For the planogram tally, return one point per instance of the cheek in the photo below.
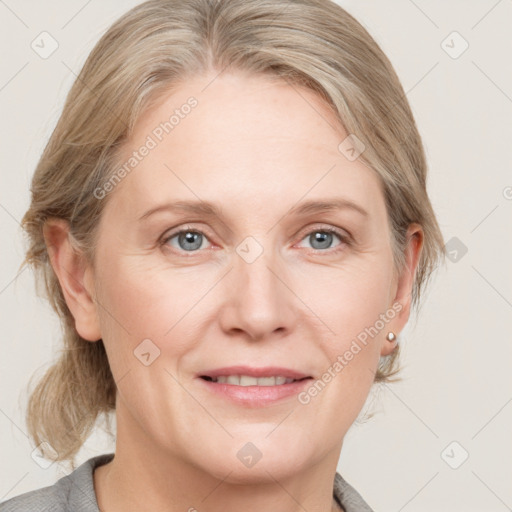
(348, 298)
(137, 293)
(142, 301)
(356, 309)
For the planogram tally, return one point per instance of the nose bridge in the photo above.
(257, 273)
(253, 268)
(260, 301)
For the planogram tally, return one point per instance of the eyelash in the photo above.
(345, 239)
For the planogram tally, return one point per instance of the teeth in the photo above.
(246, 380)
(233, 379)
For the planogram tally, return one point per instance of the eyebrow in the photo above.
(201, 207)
(208, 209)
(314, 206)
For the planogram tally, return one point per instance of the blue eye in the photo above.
(187, 240)
(191, 241)
(321, 239)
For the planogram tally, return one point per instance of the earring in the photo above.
(391, 336)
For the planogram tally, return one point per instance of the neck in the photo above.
(146, 477)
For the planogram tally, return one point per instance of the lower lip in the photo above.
(256, 396)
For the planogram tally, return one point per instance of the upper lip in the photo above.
(268, 371)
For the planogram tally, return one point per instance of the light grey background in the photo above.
(457, 356)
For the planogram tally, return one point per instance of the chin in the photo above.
(264, 471)
(259, 461)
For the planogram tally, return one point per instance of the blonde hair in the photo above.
(146, 53)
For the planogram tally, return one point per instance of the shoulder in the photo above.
(72, 492)
(348, 497)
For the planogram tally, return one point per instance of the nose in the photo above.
(258, 302)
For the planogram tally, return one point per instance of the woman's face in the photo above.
(258, 282)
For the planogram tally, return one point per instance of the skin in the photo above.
(256, 148)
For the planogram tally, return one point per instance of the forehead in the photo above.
(247, 140)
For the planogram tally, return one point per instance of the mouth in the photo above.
(253, 387)
(247, 380)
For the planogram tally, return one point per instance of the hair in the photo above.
(144, 55)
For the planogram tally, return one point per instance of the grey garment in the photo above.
(344, 494)
(75, 493)
(71, 493)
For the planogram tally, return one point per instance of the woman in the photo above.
(231, 219)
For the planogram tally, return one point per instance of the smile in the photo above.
(247, 380)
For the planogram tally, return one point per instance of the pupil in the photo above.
(323, 238)
(191, 238)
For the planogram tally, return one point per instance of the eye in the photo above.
(192, 240)
(188, 240)
(322, 239)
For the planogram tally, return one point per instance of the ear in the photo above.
(75, 277)
(404, 284)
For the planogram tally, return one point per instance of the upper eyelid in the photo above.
(326, 227)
